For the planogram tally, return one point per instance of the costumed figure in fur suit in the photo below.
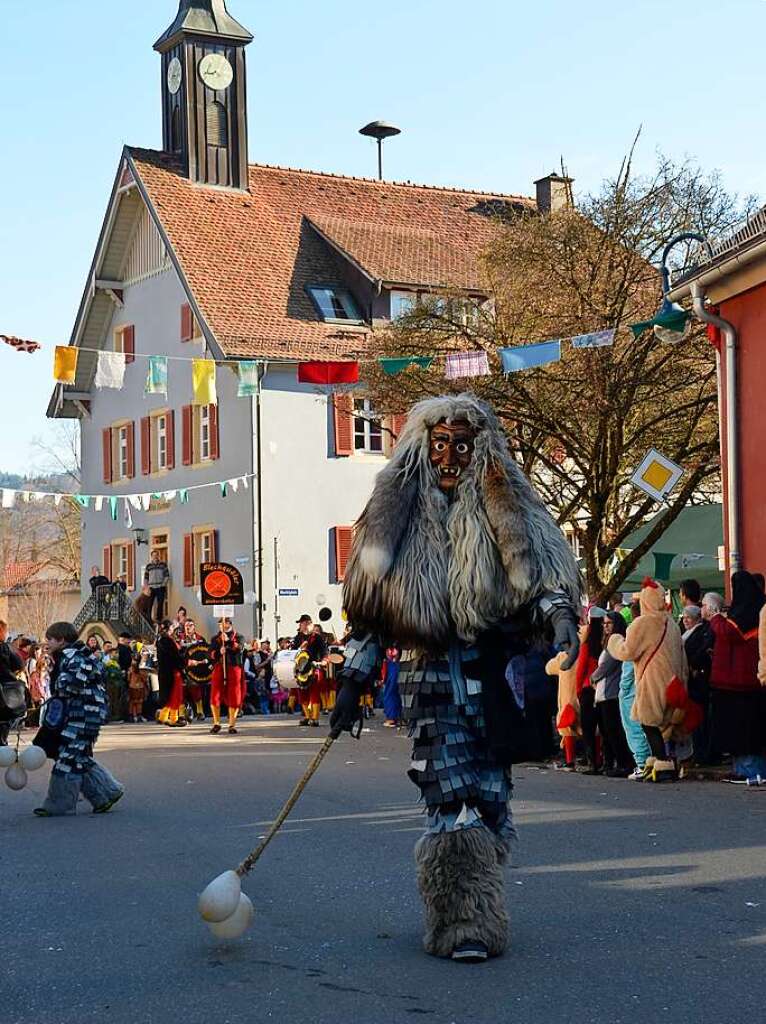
(456, 560)
(662, 705)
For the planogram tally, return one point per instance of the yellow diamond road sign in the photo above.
(657, 475)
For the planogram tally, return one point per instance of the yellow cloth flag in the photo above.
(65, 364)
(203, 382)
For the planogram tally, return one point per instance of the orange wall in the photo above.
(747, 312)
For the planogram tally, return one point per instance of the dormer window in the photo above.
(334, 304)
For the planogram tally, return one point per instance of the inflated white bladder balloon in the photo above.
(7, 756)
(221, 898)
(234, 927)
(32, 758)
(15, 777)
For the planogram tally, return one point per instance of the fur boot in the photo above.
(460, 877)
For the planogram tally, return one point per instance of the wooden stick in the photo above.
(249, 862)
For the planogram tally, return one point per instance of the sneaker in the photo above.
(638, 774)
(108, 806)
(233, 730)
(314, 724)
(304, 721)
(215, 730)
(42, 813)
(470, 952)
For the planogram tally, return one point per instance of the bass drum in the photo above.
(284, 669)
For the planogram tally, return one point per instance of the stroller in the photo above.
(13, 705)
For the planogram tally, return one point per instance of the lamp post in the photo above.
(671, 322)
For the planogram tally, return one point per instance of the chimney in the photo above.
(554, 193)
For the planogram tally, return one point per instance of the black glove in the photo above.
(346, 713)
(559, 614)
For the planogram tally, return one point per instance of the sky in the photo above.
(489, 95)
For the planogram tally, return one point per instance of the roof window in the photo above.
(334, 304)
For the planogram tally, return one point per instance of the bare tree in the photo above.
(580, 427)
(37, 605)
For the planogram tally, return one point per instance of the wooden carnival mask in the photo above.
(451, 451)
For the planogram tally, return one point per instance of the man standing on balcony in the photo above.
(157, 578)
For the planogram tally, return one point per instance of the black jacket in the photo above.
(699, 652)
(169, 661)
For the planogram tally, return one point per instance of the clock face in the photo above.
(215, 71)
(175, 74)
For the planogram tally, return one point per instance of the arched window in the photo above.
(217, 124)
(175, 130)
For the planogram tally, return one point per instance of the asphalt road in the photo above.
(629, 902)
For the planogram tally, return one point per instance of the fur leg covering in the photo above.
(461, 882)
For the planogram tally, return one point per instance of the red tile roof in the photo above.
(17, 574)
(248, 257)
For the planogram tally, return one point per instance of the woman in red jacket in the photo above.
(738, 701)
(591, 644)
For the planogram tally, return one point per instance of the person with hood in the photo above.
(738, 711)
(170, 666)
(662, 705)
(591, 635)
(618, 762)
(77, 680)
(457, 558)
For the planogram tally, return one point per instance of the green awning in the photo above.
(687, 549)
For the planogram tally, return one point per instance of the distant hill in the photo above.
(48, 482)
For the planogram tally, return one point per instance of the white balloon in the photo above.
(32, 758)
(221, 898)
(7, 756)
(234, 927)
(15, 777)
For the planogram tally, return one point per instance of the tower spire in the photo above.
(203, 17)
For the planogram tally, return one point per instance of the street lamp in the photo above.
(380, 130)
(671, 322)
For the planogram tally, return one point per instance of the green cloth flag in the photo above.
(113, 509)
(662, 564)
(157, 376)
(183, 496)
(393, 366)
(224, 488)
(83, 500)
(671, 321)
(248, 378)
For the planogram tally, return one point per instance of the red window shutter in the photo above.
(131, 450)
(146, 445)
(187, 322)
(171, 438)
(131, 580)
(106, 437)
(188, 559)
(187, 456)
(215, 438)
(397, 426)
(344, 536)
(106, 561)
(129, 343)
(344, 424)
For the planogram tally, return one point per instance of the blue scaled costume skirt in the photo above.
(460, 783)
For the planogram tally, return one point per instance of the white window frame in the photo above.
(160, 423)
(123, 462)
(402, 303)
(122, 560)
(119, 338)
(203, 539)
(367, 414)
(203, 434)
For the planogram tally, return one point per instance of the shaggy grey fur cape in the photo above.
(424, 568)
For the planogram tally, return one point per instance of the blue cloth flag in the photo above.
(157, 376)
(599, 339)
(527, 356)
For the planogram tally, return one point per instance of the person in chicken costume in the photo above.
(662, 705)
(456, 560)
(568, 716)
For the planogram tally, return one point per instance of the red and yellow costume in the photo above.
(228, 691)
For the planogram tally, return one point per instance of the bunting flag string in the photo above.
(110, 366)
(140, 502)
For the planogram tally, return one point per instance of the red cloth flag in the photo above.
(19, 343)
(319, 372)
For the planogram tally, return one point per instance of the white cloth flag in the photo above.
(99, 499)
(110, 371)
(146, 500)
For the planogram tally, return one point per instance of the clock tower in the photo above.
(204, 97)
